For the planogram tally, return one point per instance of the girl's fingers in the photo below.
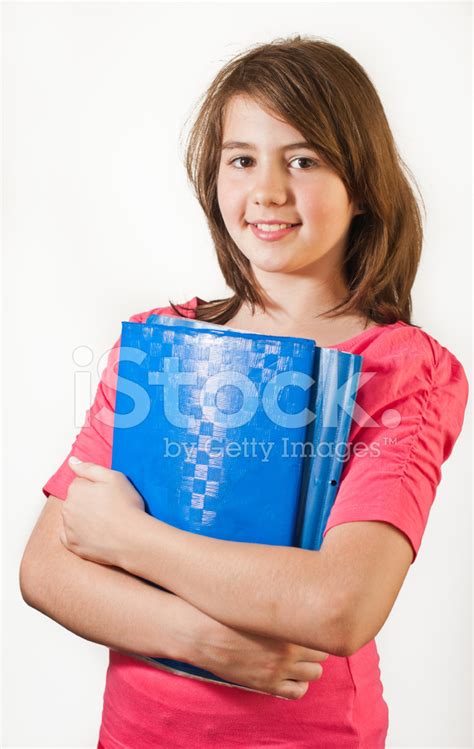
(91, 471)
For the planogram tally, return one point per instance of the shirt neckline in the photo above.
(196, 301)
(364, 333)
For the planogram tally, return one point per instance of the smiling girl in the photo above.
(318, 234)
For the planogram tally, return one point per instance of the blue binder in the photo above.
(230, 434)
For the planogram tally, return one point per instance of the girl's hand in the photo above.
(276, 667)
(100, 506)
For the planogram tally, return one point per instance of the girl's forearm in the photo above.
(108, 606)
(273, 591)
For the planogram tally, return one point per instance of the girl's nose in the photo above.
(269, 187)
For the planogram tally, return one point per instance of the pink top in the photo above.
(415, 394)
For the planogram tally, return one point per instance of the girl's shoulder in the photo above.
(410, 358)
(400, 341)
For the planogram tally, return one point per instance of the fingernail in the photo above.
(74, 460)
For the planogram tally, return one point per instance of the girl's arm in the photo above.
(104, 604)
(340, 595)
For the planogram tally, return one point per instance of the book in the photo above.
(235, 435)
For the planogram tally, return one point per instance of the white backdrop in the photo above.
(100, 223)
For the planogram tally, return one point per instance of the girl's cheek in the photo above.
(316, 204)
(229, 199)
(224, 193)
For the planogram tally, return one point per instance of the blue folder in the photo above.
(235, 435)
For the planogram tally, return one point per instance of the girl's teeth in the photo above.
(273, 227)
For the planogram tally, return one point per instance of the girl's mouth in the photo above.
(271, 235)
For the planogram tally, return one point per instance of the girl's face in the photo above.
(267, 178)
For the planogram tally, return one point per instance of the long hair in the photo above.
(322, 91)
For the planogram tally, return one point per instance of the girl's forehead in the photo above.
(243, 105)
(241, 113)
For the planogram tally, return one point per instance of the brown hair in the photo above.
(322, 91)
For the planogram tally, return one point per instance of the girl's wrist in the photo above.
(129, 543)
(192, 634)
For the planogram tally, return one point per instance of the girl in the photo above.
(318, 234)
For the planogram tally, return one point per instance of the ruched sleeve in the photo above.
(409, 413)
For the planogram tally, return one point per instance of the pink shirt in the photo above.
(391, 476)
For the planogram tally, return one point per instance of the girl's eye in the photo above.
(240, 158)
(313, 162)
(306, 158)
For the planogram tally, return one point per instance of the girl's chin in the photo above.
(272, 265)
(272, 255)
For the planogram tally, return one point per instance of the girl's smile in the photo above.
(278, 231)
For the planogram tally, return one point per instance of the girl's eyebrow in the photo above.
(240, 144)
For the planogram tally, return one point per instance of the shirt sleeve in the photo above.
(409, 416)
(94, 441)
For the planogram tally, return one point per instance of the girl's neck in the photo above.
(296, 299)
(326, 331)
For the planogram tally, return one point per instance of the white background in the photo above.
(100, 223)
